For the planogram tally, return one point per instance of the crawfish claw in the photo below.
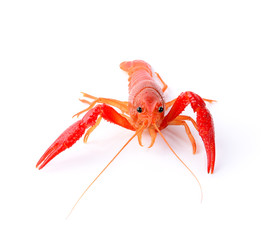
(64, 141)
(207, 133)
(204, 122)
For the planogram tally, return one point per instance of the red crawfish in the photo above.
(145, 109)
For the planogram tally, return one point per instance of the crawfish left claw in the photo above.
(207, 133)
(204, 121)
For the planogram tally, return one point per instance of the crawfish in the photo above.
(145, 109)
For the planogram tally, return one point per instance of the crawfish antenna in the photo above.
(180, 160)
(137, 132)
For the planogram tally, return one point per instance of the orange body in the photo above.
(145, 109)
(144, 93)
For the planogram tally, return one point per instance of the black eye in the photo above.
(160, 109)
(139, 110)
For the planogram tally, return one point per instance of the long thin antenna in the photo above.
(180, 159)
(137, 132)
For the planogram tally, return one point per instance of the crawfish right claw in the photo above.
(51, 152)
(76, 130)
(64, 141)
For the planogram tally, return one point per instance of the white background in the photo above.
(50, 51)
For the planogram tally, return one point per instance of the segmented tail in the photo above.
(132, 66)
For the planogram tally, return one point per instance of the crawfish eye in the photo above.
(139, 110)
(160, 109)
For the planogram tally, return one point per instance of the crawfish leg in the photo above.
(204, 122)
(184, 118)
(123, 106)
(208, 100)
(169, 104)
(165, 86)
(91, 129)
(188, 131)
(69, 137)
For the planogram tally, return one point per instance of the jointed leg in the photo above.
(165, 86)
(123, 106)
(169, 104)
(208, 100)
(139, 136)
(188, 131)
(91, 129)
(153, 135)
(184, 117)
